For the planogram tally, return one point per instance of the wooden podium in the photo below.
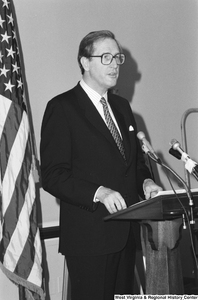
(161, 227)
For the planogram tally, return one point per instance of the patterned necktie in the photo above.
(112, 127)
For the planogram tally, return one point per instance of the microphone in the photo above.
(175, 145)
(175, 153)
(146, 147)
(190, 165)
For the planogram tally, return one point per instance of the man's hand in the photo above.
(112, 200)
(150, 188)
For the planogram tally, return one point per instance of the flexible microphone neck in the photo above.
(141, 136)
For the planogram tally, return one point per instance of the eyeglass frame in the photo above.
(113, 56)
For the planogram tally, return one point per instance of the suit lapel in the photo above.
(91, 113)
(96, 120)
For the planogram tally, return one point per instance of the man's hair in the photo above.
(86, 47)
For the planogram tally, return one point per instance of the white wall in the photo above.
(159, 78)
(8, 290)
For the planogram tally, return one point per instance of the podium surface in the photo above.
(165, 206)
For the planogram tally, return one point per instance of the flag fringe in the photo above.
(30, 287)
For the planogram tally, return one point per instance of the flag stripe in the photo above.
(16, 203)
(9, 133)
(27, 253)
(5, 106)
(16, 157)
(36, 268)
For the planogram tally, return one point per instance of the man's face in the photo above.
(102, 77)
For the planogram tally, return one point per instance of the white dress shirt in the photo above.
(95, 98)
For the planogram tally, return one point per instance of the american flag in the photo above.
(20, 245)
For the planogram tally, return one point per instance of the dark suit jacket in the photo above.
(78, 154)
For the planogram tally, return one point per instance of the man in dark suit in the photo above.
(92, 161)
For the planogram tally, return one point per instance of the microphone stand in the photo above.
(191, 203)
(156, 159)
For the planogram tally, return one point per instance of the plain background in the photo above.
(159, 78)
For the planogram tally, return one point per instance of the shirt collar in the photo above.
(93, 95)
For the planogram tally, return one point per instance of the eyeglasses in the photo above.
(107, 58)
